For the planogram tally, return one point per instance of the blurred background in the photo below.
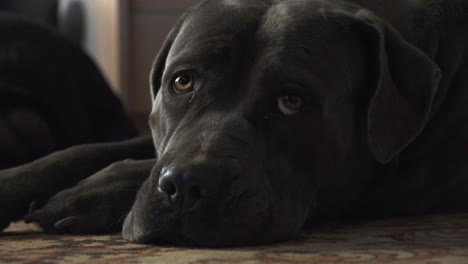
(122, 36)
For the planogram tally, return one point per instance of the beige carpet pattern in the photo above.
(427, 239)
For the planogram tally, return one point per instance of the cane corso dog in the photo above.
(273, 115)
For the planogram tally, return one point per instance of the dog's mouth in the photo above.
(187, 234)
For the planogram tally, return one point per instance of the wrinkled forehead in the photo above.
(310, 28)
(312, 38)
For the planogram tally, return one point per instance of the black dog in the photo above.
(269, 115)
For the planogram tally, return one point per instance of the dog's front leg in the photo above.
(97, 204)
(39, 180)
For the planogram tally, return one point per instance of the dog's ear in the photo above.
(159, 63)
(403, 88)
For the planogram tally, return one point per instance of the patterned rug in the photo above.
(428, 239)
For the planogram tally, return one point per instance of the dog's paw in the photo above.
(74, 211)
(83, 209)
(97, 204)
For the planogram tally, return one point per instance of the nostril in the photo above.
(168, 188)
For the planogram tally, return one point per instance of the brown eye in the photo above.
(290, 104)
(183, 83)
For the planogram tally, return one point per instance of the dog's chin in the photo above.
(195, 239)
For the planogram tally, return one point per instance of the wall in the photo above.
(124, 36)
(103, 25)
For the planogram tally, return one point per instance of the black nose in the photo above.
(190, 184)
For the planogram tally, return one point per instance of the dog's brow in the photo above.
(211, 49)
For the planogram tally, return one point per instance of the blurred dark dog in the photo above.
(52, 96)
(269, 115)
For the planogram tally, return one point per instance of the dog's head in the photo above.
(268, 113)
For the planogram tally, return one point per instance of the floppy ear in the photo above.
(403, 89)
(159, 63)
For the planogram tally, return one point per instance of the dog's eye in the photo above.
(183, 83)
(290, 104)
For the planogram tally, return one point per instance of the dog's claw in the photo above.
(32, 207)
(65, 223)
(31, 218)
(32, 215)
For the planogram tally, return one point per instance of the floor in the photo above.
(427, 239)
